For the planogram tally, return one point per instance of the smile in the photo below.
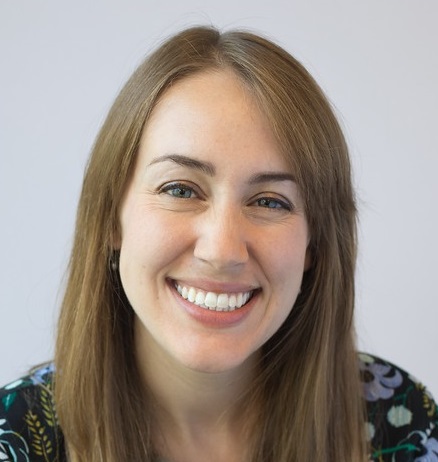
(213, 301)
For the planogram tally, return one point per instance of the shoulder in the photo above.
(402, 415)
(28, 424)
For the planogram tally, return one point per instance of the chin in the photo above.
(218, 364)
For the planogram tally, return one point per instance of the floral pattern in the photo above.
(29, 430)
(379, 380)
(402, 421)
(402, 415)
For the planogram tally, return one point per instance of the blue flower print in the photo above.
(38, 375)
(431, 447)
(418, 446)
(378, 380)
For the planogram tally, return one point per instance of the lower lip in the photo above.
(215, 319)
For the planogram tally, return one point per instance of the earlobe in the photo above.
(114, 260)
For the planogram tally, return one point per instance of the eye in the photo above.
(272, 203)
(178, 190)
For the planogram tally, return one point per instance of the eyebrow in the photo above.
(205, 167)
(271, 176)
(209, 169)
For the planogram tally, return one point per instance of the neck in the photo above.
(193, 406)
(185, 394)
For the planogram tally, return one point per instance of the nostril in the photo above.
(221, 248)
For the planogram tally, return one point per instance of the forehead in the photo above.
(216, 94)
(210, 112)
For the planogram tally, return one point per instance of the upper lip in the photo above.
(216, 286)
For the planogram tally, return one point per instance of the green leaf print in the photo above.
(8, 400)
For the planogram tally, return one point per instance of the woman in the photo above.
(209, 306)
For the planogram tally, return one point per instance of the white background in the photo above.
(61, 65)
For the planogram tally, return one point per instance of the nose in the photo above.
(222, 238)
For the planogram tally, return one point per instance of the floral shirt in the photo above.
(402, 417)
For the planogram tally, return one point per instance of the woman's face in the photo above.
(213, 235)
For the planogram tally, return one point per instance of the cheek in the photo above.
(151, 239)
(288, 264)
(288, 254)
(146, 251)
(285, 268)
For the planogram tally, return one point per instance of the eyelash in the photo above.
(283, 204)
(181, 186)
(280, 204)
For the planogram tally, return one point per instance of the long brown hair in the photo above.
(309, 382)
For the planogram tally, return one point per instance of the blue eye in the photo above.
(271, 203)
(178, 190)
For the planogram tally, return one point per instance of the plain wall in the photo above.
(62, 64)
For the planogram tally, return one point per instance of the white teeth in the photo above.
(222, 301)
(213, 301)
(210, 300)
(200, 298)
(191, 296)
